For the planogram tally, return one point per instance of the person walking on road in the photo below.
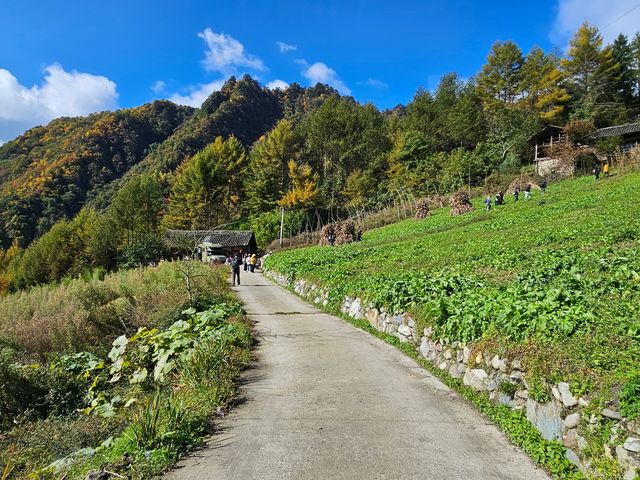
(235, 269)
(252, 262)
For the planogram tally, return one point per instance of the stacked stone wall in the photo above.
(563, 418)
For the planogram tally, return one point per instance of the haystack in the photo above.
(345, 232)
(422, 209)
(460, 203)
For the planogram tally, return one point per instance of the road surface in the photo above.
(325, 400)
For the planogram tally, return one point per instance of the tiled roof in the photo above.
(224, 238)
(618, 130)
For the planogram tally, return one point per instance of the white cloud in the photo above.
(611, 17)
(62, 93)
(286, 47)
(197, 94)
(321, 73)
(224, 53)
(158, 86)
(375, 83)
(277, 83)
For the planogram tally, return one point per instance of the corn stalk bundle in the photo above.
(345, 232)
(422, 209)
(460, 203)
(327, 230)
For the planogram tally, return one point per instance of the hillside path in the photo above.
(325, 400)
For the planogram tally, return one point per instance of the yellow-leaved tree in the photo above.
(303, 190)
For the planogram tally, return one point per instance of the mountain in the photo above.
(51, 172)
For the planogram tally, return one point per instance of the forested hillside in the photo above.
(250, 150)
(50, 172)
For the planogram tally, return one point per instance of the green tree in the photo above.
(623, 55)
(340, 137)
(448, 119)
(541, 85)
(268, 163)
(591, 72)
(137, 207)
(207, 188)
(359, 189)
(500, 78)
(510, 128)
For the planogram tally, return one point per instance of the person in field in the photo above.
(487, 202)
(527, 191)
(516, 193)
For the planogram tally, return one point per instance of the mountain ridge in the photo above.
(50, 172)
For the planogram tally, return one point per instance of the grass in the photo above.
(554, 281)
(130, 399)
(87, 315)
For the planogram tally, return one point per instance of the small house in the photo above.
(547, 164)
(212, 245)
(629, 134)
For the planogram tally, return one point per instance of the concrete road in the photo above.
(325, 400)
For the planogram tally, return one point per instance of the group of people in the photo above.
(248, 261)
(499, 200)
(605, 170)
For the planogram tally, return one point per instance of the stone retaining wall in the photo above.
(563, 418)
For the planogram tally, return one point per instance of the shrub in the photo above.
(630, 398)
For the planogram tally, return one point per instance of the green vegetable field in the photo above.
(554, 280)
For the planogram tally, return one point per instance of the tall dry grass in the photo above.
(88, 315)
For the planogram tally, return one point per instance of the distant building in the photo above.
(547, 165)
(214, 245)
(629, 133)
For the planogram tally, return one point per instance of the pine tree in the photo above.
(268, 163)
(541, 85)
(208, 186)
(500, 77)
(591, 72)
(623, 55)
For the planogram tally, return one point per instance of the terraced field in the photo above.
(554, 280)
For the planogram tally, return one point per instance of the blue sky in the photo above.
(76, 57)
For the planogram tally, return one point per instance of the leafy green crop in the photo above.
(557, 282)
(630, 398)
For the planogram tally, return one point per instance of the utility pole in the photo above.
(281, 224)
